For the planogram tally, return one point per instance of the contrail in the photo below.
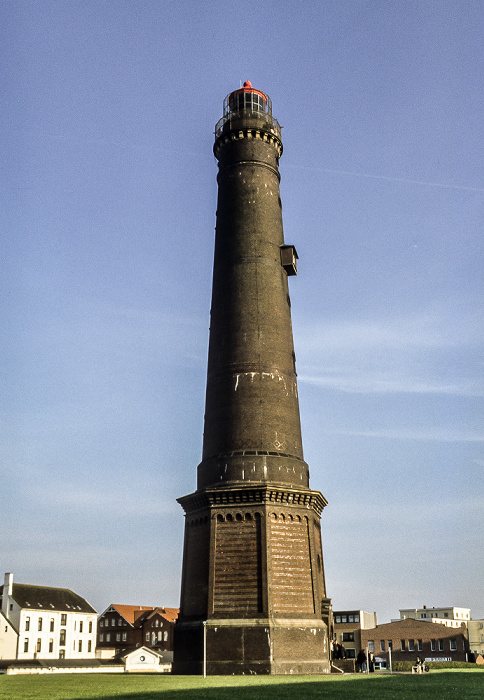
(388, 178)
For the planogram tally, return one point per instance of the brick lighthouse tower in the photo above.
(253, 596)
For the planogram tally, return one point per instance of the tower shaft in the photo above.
(253, 594)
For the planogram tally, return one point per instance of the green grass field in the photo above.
(438, 685)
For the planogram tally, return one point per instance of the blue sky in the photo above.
(108, 213)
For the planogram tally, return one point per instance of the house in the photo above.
(49, 623)
(8, 638)
(406, 639)
(451, 617)
(145, 660)
(347, 626)
(122, 627)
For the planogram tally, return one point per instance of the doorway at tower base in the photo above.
(252, 647)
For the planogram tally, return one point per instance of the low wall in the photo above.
(24, 670)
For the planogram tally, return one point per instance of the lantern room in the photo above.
(247, 99)
(244, 104)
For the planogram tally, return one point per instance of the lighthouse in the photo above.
(253, 594)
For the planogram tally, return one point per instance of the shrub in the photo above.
(435, 665)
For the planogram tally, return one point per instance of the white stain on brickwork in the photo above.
(270, 375)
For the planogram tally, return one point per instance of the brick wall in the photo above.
(411, 638)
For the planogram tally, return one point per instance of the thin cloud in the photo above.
(432, 328)
(120, 501)
(402, 511)
(364, 382)
(430, 434)
(388, 178)
(423, 353)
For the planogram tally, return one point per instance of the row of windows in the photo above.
(114, 622)
(411, 646)
(38, 645)
(152, 636)
(119, 637)
(340, 619)
(40, 623)
(463, 616)
(122, 637)
(247, 101)
(118, 623)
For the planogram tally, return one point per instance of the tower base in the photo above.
(252, 647)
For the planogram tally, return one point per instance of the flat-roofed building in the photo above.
(347, 626)
(449, 616)
(406, 639)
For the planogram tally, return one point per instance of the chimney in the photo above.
(7, 592)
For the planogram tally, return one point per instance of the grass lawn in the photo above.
(437, 685)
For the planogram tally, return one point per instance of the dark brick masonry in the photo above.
(253, 596)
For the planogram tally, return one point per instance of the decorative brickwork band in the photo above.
(253, 594)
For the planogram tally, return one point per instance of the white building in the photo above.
(50, 623)
(451, 617)
(8, 638)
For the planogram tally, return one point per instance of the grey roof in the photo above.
(47, 598)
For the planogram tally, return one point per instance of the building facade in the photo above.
(406, 639)
(475, 630)
(123, 627)
(347, 626)
(8, 638)
(253, 595)
(51, 623)
(451, 617)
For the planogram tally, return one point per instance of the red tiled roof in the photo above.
(171, 613)
(132, 613)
